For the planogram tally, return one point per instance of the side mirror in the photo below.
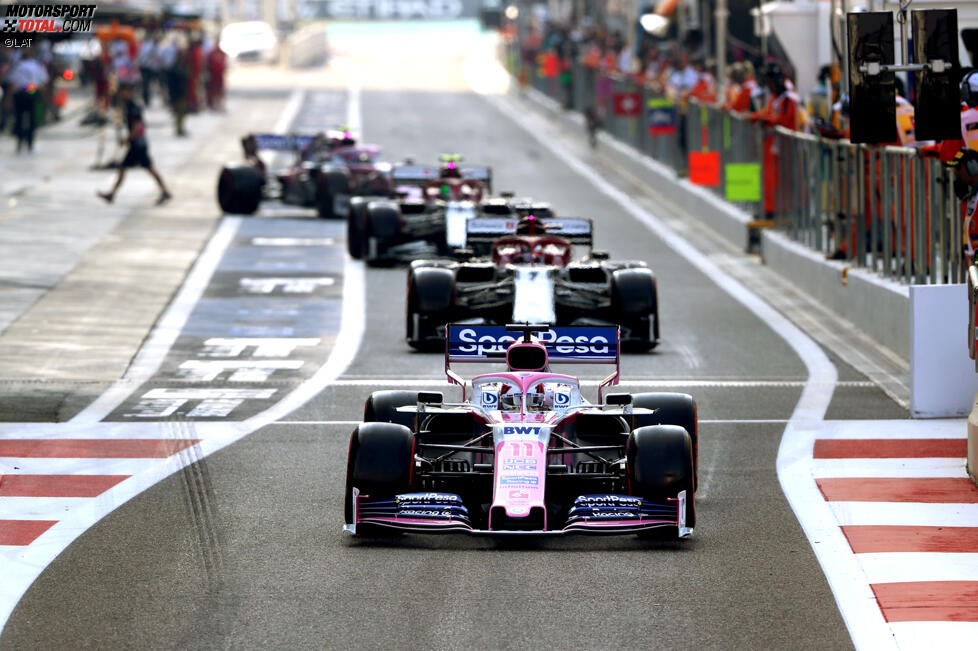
(600, 255)
(430, 398)
(619, 399)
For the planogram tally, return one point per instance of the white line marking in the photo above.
(732, 384)
(73, 466)
(926, 636)
(755, 421)
(151, 355)
(76, 515)
(353, 114)
(903, 468)
(857, 603)
(292, 241)
(287, 116)
(900, 567)
(908, 514)
(316, 422)
(893, 429)
(35, 508)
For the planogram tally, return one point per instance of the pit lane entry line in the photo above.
(23, 564)
(856, 600)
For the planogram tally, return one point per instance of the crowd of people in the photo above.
(755, 89)
(184, 69)
(27, 91)
(129, 71)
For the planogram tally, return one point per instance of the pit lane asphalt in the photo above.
(266, 565)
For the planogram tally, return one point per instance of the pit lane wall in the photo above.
(873, 290)
(879, 307)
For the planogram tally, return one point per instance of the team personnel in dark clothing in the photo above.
(138, 153)
(26, 79)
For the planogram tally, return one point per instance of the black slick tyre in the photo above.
(659, 466)
(634, 304)
(355, 227)
(331, 185)
(671, 409)
(431, 294)
(380, 462)
(381, 407)
(239, 189)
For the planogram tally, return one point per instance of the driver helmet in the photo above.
(510, 399)
(540, 398)
(450, 168)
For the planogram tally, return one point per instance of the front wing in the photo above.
(590, 514)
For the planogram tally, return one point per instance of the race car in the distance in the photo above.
(326, 170)
(526, 454)
(530, 275)
(425, 216)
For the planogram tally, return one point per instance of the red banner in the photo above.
(628, 104)
(704, 168)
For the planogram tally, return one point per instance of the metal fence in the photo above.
(883, 208)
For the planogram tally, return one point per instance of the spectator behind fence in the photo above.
(947, 149)
(781, 110)
(965, 166)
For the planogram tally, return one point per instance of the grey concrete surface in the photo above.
(876, 306)
(263, 563)
(82, 281)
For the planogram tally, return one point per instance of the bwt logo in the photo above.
(472, 342)
(521, 429)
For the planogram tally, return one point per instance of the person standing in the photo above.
(138, 153)
(216, 67)
(26, 79)
(176, 83)
(148, 67)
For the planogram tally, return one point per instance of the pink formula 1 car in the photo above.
(524, 453)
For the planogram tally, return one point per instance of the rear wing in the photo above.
(564, 344)
(413, 174)
(576, 230)
(278, 141)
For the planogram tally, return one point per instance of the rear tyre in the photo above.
(431, 294)
(332, 189)
(635, 305)
(381, 407)
(659, 465)
(354, 227)
(671, 409)
(379, 464)
(382, 225)
(239, 189)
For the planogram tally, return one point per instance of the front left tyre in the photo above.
(380, 463)
(659, 466)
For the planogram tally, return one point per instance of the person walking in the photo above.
(26, 79)
(138, 153)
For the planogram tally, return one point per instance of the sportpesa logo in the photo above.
(70, 18)
(473, 342)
